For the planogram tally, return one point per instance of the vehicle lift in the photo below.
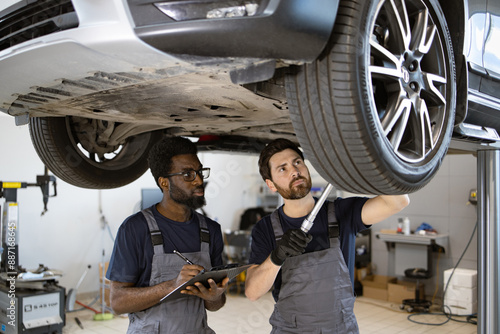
(488, 232)
(34, 306)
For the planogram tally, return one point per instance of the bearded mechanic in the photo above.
(312, 273)
(144, 268)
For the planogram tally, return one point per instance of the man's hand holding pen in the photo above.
(212, 293)
(190, 270)
(187, 272)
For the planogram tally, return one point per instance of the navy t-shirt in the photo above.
(132, 256)
(348, 213)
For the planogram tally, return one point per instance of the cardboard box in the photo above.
(400, 290)
(375, 286)
(461, 277)
(361, 273)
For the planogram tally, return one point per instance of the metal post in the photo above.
(488, 251)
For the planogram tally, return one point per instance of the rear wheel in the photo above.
(375, 115)
(80, 151)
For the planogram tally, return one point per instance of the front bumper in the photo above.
(294, 30)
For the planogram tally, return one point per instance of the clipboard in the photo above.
(216, 273)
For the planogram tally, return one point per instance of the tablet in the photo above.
(216, 273)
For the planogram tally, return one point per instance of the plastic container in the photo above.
(406, 226)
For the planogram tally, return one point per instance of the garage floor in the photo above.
(240, 316)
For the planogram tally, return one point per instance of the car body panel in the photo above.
(481, 119)
(474, 43)
(491, 48)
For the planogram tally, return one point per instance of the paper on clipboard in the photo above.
(216, 274)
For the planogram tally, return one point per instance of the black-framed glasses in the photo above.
(190, 175)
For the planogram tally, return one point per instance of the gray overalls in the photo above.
(316, 294)
(185, 315)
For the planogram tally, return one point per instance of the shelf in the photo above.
(416, 239)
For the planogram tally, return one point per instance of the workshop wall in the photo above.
(443, 204)
(71, 235)
(232, 186)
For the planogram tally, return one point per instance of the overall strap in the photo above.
(277, 228)
(333, 225)
(204, 232)
(154, 230)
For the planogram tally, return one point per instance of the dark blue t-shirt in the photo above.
(132, 256)
(348, 213)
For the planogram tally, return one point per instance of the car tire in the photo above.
(375, 114)
(60, 147)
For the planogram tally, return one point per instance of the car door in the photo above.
(475, 36)
(491, 57)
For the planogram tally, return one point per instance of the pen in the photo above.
(183, 257)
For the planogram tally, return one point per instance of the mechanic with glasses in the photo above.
(144, 267)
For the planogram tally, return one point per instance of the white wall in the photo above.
(232, 186)
(70, 235)
(443, 204)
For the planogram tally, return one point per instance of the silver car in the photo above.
(372, 90)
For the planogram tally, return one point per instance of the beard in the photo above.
(181, 197)
(295, 192)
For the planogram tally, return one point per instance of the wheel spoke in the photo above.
(403, 21)
(432, 91)
(423, 34)
(396, 121)
(424, 127)
(92, 156)
(392, 65)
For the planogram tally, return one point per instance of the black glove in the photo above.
(292, 243)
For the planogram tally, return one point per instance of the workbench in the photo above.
(413, 250)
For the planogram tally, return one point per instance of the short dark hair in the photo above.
(161, 154)
(271, 149)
